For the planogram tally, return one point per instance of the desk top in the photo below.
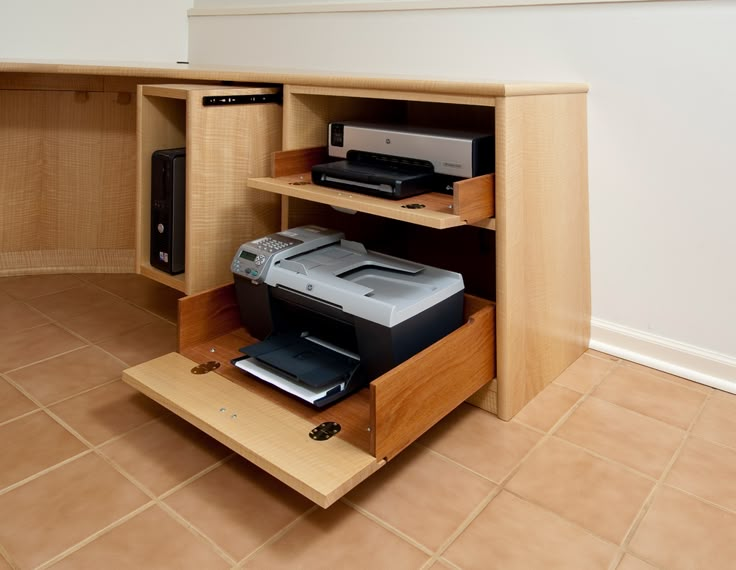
(294, 77)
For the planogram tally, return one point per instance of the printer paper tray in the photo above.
(271, 429)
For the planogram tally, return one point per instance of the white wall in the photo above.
(662, 132)
(129, 30)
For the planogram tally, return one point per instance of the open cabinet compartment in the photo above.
(271, 429)
(225, 144)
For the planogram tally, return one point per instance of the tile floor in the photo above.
(612, 466)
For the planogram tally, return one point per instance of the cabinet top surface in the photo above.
(294, 77)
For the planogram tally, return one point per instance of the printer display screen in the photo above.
(247, 255)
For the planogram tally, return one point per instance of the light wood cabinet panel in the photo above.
(66, 187)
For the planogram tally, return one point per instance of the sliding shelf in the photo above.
(272, 429)
(471, 202)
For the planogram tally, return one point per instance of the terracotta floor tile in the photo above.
(594, 493)
(150, 540)
(142, 344)
(480, 441)
(513, 534)
(142, 291)
(107, 411)
(603, 355)
(109, 320)
(684, 382)
(423, 495)
(585, 373)
(548, 407)
(33, 443)
(642, 443)
(17, 316)
(716, 482)
(32, 286)
(71, 302)
(23, 347)
(238, 506)
(724, 395)
(12, 402)
(681, 532)
(717, 422)
(68, 374)
(165, 453)
(651, 396)
(46, 516)
(338, 537)
(629, 562)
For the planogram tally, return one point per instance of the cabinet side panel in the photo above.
(543, 259)
(225, 146)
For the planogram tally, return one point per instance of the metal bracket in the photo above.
(324, 431)
(206, 367)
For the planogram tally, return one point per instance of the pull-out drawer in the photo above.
(277, 432)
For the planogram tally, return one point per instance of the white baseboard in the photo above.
(696, 364)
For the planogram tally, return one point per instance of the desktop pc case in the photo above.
(168, 191)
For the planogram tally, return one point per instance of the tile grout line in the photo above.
(114, 294)
(5, 555)
(197, 532)
(660, 482)
(42, 472)
(92, 448)
(94, 536)
(276, 537)
(502, 484)
(42, 360)
(387, 526)
(463, 526)
(90, 342)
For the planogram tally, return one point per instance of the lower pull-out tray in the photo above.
(277, 432)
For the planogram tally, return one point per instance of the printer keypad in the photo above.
(271, 245)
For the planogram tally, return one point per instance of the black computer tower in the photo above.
(168, 191)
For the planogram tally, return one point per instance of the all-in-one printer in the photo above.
(400, 161)
(332, 315)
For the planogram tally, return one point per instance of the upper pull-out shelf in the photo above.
(471, 202)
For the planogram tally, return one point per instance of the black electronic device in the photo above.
(398, 161)
(168, 191)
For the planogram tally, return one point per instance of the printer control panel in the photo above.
(254, 258)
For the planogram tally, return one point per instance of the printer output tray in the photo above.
(365, 178)
(301, 366)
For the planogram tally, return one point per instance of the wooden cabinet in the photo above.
(224, 146)
(519, 237)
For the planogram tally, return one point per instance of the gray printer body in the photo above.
(397, 161)
(331, 315)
